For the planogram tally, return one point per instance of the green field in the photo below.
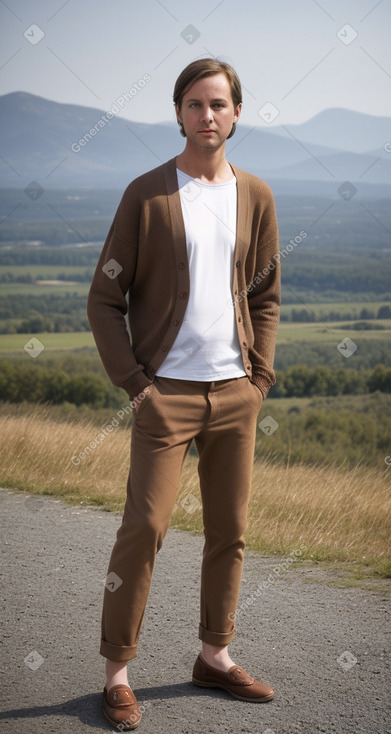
(330, 332)
(31, 289)
(45, 271)
(52, 342)
(288, 333)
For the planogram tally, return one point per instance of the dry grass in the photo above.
(336, 515)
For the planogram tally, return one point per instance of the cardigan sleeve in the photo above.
(107, 305)
(264, 298)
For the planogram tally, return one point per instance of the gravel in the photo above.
(324, 649)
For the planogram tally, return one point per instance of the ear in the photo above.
(237, 112)
(178, 114)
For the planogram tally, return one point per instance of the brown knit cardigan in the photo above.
(145, 258)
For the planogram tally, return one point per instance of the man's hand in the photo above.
(139, 399)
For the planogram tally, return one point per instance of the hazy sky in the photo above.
(287, 52)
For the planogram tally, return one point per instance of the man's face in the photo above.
(207, 112)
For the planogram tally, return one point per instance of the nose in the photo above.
(207, 114)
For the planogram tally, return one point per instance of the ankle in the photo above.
(116, 674)
(217, 657)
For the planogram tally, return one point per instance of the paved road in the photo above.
(323, 649)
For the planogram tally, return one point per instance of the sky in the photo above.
(295, 58)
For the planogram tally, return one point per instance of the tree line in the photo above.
(36, 383)
(21, 381)
(28, 314)
(301, 381)
(307, 315)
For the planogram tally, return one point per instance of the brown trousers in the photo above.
(221, 417)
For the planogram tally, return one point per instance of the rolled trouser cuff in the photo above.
(220, 639)
(117, 653)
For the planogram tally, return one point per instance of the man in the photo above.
(194, 245)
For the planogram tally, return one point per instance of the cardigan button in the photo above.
(175, 322)
(164, 348)
(181, 266)
(238, 263)
(244, 344)
(183, 295)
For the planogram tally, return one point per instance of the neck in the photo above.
(206, 165)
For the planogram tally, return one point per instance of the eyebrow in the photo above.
(218, 99)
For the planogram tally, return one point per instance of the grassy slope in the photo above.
(336, 515)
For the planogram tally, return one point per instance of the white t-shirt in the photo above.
(207, 344)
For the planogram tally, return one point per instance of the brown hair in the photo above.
(198, 70)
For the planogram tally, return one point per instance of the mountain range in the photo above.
(50, 143)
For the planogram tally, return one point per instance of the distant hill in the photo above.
(343, 129)
(37, 136)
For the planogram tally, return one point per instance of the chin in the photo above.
(208, 143)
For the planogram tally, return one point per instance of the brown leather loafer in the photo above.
(236, 681)
(120, 707)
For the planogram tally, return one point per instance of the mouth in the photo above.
(207, 132)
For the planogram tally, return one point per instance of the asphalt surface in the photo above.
(323, 649)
